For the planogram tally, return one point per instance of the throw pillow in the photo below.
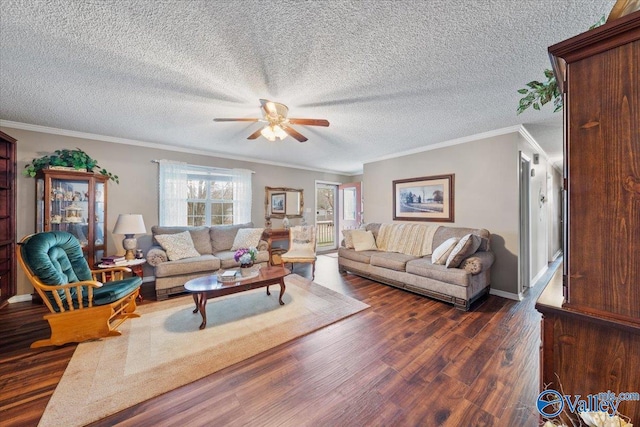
(348, 240)
(247, 238)
(363, 240)
(177, 246)
(441, 253)
(468, 245)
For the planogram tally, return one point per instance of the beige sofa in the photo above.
(213, 244)
(460, 286)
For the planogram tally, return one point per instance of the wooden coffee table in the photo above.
(209, 287)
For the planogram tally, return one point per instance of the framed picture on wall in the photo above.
(278, 203)
(428, 198)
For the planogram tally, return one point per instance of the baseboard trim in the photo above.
(504, 294)
(556, 255)
(20, 298)
(538, 276)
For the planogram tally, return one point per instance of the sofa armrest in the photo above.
(263, 245)
(156, 255)
(478, 262)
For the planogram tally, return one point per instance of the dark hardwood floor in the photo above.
(407, 360)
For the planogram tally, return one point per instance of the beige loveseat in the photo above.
(459, 285)
(213, 246)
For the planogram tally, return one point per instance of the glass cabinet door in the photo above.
(69, 208)
(74, 202)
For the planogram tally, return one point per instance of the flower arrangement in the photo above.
(246, 256)
(596, 419)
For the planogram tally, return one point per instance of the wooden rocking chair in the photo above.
(82, 305)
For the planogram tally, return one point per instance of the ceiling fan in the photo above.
(278, 126)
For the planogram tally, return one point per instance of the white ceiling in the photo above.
(390, 76)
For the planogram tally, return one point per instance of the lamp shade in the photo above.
(129, 224)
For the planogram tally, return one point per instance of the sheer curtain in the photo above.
(172, 199)
(241, 195)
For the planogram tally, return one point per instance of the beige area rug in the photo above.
(164, 349)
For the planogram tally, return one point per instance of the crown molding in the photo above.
(155, 145)
(520, 129)
(449, 143)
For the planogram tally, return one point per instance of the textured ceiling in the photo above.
(390, 76)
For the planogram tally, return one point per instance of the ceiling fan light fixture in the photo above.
(279, 132)
(268, 133)
(278, 125)
(273, 132)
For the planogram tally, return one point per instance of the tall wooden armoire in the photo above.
(7, 218)
(591, 327)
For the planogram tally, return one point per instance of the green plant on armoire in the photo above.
(76, 159)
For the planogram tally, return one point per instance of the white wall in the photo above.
(138, 188)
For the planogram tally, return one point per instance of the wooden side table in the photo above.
(275, 235)
(136, 268)
(135, 265)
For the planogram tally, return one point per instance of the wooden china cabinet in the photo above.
(591, 326)
(75, 202)
(7, 218)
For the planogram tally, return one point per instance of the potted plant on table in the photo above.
(246, 257)
(76, 159)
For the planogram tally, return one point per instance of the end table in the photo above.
(135, 265)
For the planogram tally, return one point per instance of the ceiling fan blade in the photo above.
(310, 122)
(236, 120)
(255, 135)
(295, 134)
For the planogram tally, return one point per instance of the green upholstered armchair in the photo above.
(82, 304)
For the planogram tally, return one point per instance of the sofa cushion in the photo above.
(348, 240)
(247, 238)
(391, 260)
(364, 256)
(441, 253)
(443, 233)
(201, 240)
(467, 246)
(425, 268)
(222, 236)
(373, 227)
(178, 246)
(363, 240)
(200, 264)
(199, 235)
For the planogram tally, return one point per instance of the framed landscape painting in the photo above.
(429, 198)
(278, 203)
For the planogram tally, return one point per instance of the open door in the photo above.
(350, 206)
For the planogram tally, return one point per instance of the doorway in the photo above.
(326, 210)
(350, 202)
(524, 260)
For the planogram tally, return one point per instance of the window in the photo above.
(209, 200)
(198, 195)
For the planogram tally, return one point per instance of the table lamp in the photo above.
(129, 225)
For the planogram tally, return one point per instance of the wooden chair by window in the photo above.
(302, 247)
(82, 306)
